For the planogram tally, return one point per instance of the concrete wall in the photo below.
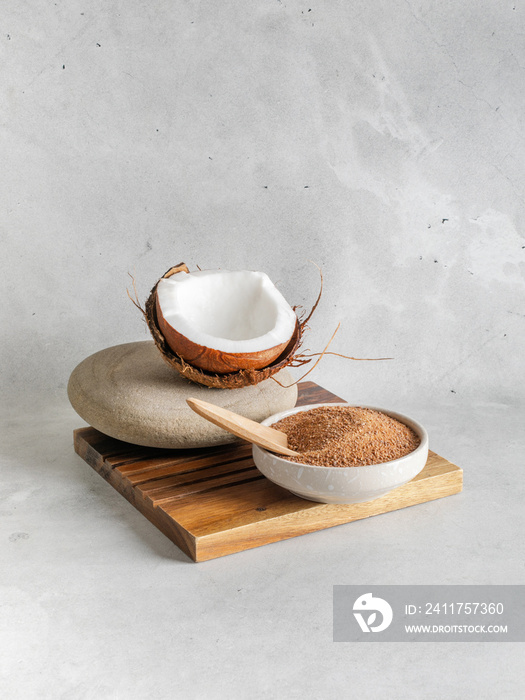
(383, 141)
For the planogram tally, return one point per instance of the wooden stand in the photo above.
(214, 501)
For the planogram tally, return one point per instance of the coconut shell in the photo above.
(211, 360)
(232, 380)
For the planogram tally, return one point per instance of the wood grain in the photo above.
(214, 501)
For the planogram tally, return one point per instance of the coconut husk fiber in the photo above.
(232, 380)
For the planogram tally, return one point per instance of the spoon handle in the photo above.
(261, 435)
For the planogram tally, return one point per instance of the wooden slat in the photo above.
(214, 501)
(183, 467)
(195, 458)
(215, 507)
(173, 495)
(310, 392)
(435, 466)
(201, 480)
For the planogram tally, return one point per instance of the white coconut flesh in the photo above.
(231, 312)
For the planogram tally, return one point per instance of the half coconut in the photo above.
(220, 328)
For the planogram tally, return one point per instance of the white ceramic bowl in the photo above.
(342, 484)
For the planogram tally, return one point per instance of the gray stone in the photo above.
(130, 393)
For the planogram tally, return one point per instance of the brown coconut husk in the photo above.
(290, 357)
(234, 380)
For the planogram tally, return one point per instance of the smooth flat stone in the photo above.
(128, 392)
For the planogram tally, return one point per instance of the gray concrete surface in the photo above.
(384, 142)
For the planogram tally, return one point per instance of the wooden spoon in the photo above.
(250, 430)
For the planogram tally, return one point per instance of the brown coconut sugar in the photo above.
(346, 436)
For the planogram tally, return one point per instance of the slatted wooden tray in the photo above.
(214, 501)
